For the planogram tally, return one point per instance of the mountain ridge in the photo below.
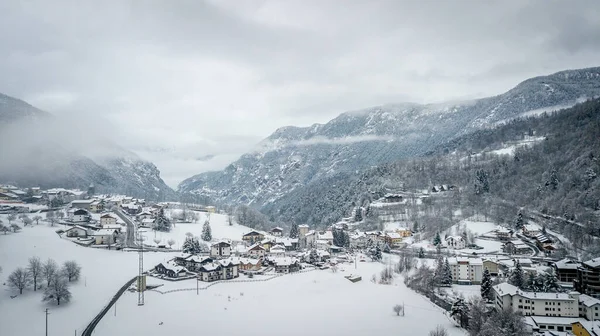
(294, 157)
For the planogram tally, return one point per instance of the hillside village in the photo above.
(477, 253)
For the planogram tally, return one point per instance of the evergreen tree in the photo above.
(416, 227)
(553, 183)
(544, 230)
(550, 283)
(519, 221)
(376, 253)
(531, 284)
(386, 248)
(437, 240)
(206, 231)
(517, 277)
(313, 257)
(162, 223)
(447, 278)
(421, 254)
(338, 237)
(191, 245)
(486, 285)
(294, 231)
(346, 239)
(358, 217)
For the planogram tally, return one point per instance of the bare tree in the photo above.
(15, 227)
(156, 241)
(189, 235)
(439, 331)
(398, 309)
(37, 219)
(51, 217)
(11, 218)
(4, 228)
(35, 270)
(49, 270)
(57, 291)
(171, 242)
(230, 220)
(19, 279)
(71, 270)
(60, 214)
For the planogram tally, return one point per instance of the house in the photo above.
(456, 242)
(257, 251)
(253, 237)
(327, 235)
(516, 246)
(492, 266)
(503, 233)
(531, 230)
(589, 307)
(374, 237)
(566, 270)
(322, 244)
(171, 269)
(267, 243)
(543, 242)
(108, 219)
(144, 215)
(290, 244)
(77, 231)
(104, 236)
(96, 206)
(211, 209)
(286, 265)
(358, 240)
(80, 215)
(82, 204)
(8, 196)
(551, 325)
(310, 238)
(131, 208)
(466, 271)
(509, 297)
(586, 328)
(404, 232)
(277, 231)
(278, 251)
(221, 270)
(588, 278)
(249, 264)
(147, 222)
(393, 239)
(220, 250)
(392, 198)
(193, 262)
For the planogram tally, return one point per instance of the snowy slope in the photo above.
(312, 303)
(103, 273)
(295, 158)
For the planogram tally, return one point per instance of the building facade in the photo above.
(466, 271)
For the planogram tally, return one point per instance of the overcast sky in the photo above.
(175, 81)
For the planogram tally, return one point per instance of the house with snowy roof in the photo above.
(104, 236)
(589, 307)
(108, 219)
(503, 233)
(253, 237)
(456, 242)
(249, 264)
(278, 251)
(290, 244)
(276, 231)
(256, 250)
(531, 230)
(77, 231)
(392, 238)
(588, 278)
(586, 328)
(516, 246)
(566, 270)
(171, 269)
(225, 269)
(80, 216)
(221, 249)
(192, 262)
(286, 265)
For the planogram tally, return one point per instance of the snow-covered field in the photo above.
(103, 273)
(317, 303)
(218, 224)
(475, 226)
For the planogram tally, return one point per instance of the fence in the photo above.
(215, 283)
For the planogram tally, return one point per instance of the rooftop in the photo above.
(588, 301)
(507, 289)
(593, 263)
(566, 264)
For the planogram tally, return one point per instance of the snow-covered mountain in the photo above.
(298, 157)
(39, 149)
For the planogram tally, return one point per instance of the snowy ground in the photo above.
(103, 273)
(317, 302)
(466, 291)
(476, 226)
(218, 224)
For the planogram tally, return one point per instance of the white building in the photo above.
(509, 297)
(589, 307)
(80, 215)
(108, 219)
(105, 236)
(303, 230)
(220, 250)
(456, 242)
(310, 238)
(277, 251)
(466, 271)
(77, 231)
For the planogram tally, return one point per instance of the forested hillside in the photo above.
(557, 175)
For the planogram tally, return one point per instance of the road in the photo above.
(131, 229)
(536, 250)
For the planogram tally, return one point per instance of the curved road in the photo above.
(131, 229)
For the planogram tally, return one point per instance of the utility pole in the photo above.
(197, 286)
(141, 272)
(47, 313)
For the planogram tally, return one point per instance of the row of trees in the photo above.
(544, 282)
(55, 278)
(479, 320)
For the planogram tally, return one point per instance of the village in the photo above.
(477, 253)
